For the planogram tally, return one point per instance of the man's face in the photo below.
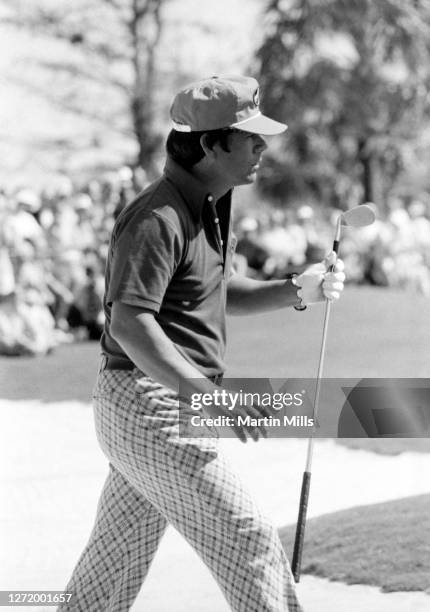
(239, 166)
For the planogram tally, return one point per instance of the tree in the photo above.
(106, 62)
(351, 78)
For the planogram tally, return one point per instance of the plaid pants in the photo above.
(157, 477)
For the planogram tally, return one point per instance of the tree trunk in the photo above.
(145, 28)
(365, 157)
(372, 178)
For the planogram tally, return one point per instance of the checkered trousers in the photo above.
(157, 477)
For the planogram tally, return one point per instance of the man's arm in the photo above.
(151, 350)
(315, 284)
(146, 344)
(250, 296)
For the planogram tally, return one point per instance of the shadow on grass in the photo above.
(385, 545)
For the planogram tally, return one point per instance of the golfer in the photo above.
(169, 283)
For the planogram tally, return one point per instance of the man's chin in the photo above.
(252, 176)
(246, 180)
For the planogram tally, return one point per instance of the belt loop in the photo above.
(103, 362)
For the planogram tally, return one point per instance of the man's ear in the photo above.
(210, 153)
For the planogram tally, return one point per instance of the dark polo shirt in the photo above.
(170, 253)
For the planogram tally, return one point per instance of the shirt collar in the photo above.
(193, 191)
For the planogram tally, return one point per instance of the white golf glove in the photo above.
(317, 283)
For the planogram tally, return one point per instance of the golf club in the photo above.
(359, 216)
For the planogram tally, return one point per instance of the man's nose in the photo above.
(261, 144)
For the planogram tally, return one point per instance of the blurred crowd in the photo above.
(53, 248)
(394, 251)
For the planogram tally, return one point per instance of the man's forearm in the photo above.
(249, 296)
(146, 344)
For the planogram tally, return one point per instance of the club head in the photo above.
(359, 216)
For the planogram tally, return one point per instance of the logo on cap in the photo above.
(256, 97)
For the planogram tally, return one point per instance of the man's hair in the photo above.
(185, 148)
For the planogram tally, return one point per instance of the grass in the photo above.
(371, 545)
(388, 446)
(373, 333)
(67, 373)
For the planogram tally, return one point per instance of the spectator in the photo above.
(53, 248)
(87, 310)
(249, 246)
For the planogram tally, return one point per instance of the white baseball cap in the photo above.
(222, 102)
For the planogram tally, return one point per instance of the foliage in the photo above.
(104, 62)
(351, 78)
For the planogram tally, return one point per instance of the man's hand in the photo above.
(317, 283)
(241, 430)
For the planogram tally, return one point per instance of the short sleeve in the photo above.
(144, 258)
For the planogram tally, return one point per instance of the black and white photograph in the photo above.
(215, 305)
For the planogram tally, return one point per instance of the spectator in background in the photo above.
(26, 324)
(295, 236)
(23, 222)
(420, 225)
(83, 227)
(313, 233)
(86, 312)
(53, 248)
(249, 247)
(10, 331)
(275, 240)
(126, 192)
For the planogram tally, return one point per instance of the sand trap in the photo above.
(52, 471)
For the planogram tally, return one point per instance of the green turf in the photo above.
(387, 446)
(67, 373)
(372, 333)
(386, 545)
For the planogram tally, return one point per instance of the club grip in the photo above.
(301, 525)
(336, 250)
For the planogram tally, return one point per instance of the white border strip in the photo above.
(180, 127)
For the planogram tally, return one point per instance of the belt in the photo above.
(116, 363)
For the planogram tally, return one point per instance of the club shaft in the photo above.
(306, 480)
(318, 385)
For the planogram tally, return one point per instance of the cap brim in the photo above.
(260, 124)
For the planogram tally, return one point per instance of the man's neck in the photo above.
(216, 186)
